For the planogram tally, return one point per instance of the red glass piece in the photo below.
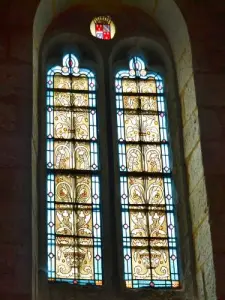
(98, 27)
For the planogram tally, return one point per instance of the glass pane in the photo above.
(146, 158)
(73, 187)
(141, 127)
(62, 82)
(148, 222)
(70, 99)
(80, 83)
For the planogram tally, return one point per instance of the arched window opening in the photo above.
(73, 186)
(147, 205)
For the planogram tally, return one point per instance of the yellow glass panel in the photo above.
(83, 189)
(143, 102)
(82, 156)
(149, 128)
(160, 264)
(140, 259)
(62, 82)
(146, 158)
(147, 86)
(63, 188)
(70, 99)
(136, 190)
(132, 126)
(157, 224)
(62, 99)
(152, 158)
(154, 243)
(146, 191)
(129, 86)
(65, 127)
(72, 156)
(70, 220)
(79, 99)
(63, 153)
(62, 124)
(153, 265)
(74, 258)
(138, 222)
(73, 189)
(138, 86)
(80, 83)
(134, 158)
(131, 102)
(155, 191)
(149, 103)
(64, 219)
(83, 221)
(81, 125)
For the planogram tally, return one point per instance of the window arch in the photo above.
(104, 59)
(147, 208)
(73, 185)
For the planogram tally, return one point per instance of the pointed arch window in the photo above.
(149, 229)
(147, 207)
(73, 186)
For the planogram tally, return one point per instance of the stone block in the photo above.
(15, 187)
(12, 296)
(191, 133)
(216, 192)
(15, 79)
(175, 29)
(218, 232)
(211, 127)
(213, 157)
(209, 279)
(15, 115)
(43, 18)
(185, 71)
(22, 13)
(21, 46)
(194, 167)
(15, 152)
(8, 117)
(3, 45)
(210, 89)
(200, 286)
(203, 244)
(188, 100)
(198, 203)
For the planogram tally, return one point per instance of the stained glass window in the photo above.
(73, 187)
(103, 28)
(148, 220)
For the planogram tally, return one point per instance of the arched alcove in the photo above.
(169, 18)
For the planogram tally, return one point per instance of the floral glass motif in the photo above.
(148, 218)
(73, 188)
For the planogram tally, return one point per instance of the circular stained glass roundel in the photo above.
(103, 28)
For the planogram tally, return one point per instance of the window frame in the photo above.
(179, 180)
(107, 80)
(154, 70)
(97, 68)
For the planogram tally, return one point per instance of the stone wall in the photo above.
(203, 130)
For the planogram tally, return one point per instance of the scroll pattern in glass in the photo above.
(73, 188)
(148, 222)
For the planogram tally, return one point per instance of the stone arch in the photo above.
(176, 31)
